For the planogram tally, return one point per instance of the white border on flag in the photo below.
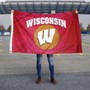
(11, 38)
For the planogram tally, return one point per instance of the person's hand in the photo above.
(76, 11)
(11, 11)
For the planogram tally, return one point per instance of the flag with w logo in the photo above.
(45, 33)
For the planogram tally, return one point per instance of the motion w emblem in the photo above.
(45, 36)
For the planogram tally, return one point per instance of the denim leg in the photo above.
(38, 65)
(51, 64)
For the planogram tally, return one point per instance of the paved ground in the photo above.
(65, 81)
(18, 71)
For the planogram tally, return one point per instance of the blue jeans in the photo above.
(51, 64)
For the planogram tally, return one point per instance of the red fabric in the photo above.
(23, 37)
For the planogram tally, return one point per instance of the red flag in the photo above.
(45, 33)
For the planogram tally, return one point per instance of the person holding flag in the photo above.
(51, 67)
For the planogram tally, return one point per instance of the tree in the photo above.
(81, 27)
(88, 28)
(9, 28)
(2, 28)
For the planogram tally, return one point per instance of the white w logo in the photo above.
(45, 36)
